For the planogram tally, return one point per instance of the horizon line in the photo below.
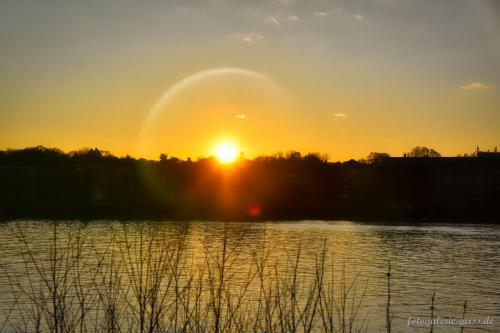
(283, 153)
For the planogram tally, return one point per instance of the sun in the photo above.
(226, 152)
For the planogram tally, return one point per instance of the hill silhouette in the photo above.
(42, 182)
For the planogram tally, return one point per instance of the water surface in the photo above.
(457, 262)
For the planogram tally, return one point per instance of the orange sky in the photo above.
(334, 77)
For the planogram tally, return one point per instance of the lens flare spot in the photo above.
(254, 210)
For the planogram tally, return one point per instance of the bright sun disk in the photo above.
(226, 152)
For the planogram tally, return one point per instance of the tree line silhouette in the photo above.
(91, 183)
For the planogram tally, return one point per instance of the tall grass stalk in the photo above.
(149, 279)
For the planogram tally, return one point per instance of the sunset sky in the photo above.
(338, 77)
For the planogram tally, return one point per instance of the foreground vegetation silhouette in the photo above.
(147, 279)
(90, 183)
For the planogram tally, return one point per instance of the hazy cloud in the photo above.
(322, 14)
(272, 19)
(241, 116)
(396, 2)
(249, 38)
(340, 115)
(477, 85)
(358, 17)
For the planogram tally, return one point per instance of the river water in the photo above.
(457, 262)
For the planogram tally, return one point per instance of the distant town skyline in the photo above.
(189, 77)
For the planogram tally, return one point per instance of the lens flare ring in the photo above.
(146, 142)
